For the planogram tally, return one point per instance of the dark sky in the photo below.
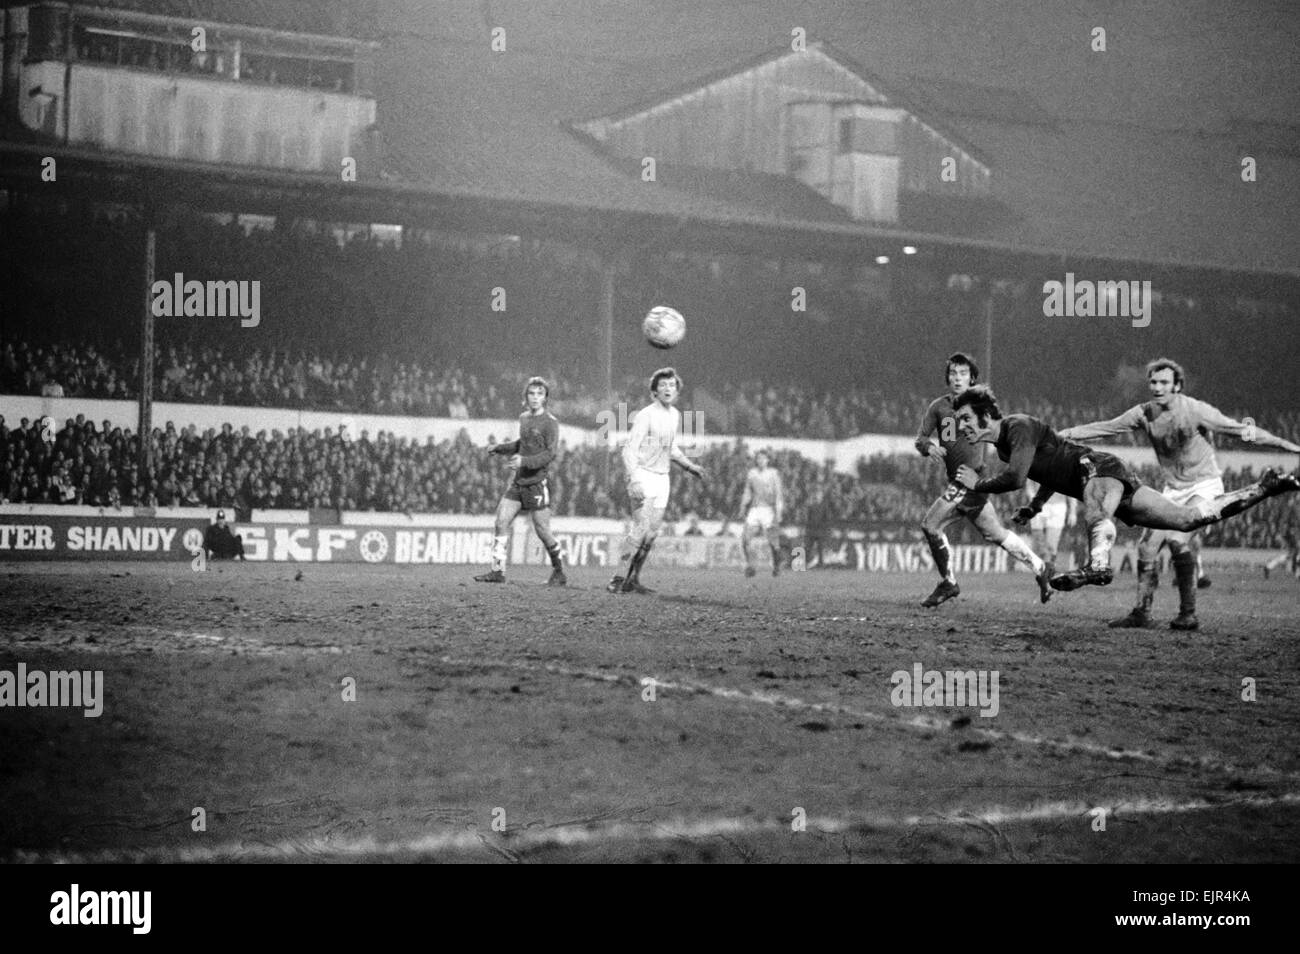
(1169, 63)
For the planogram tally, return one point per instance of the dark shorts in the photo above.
(1101, 464)
(966, 503)
(530, 496)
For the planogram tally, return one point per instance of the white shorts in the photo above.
(760, 517)
(1206, 490)
(655, 486)
(1051, 517)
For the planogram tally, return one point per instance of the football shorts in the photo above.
(760, 517)
(1101, 464)
(655, 487)
(530, 496)
(1052, 516)
(1205, 489)
(963, 501)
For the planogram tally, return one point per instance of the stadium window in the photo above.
(875, 136)
(846, 136)
(97, 46)
(47, 34)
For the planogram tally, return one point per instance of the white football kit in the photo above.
(647, 455)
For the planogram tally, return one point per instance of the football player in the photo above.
(1179, 427)
(530, 455)
(1045, 530)
(764, 503)
(1101, 481)
(650, 450)
(938, 438)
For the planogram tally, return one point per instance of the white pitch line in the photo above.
(920, 723)
(603, 832)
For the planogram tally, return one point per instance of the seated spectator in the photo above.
(220, 542)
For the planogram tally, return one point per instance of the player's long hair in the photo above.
(980, 399)
(666, 373)
(961, 357)
(536, 382)
(1168, 364)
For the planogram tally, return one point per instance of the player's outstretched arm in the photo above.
(1214, 419)
(510, 447)
(1130, 420)
(1269, 439)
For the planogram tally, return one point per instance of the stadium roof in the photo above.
(1132, 155)
(1130, 181)
(344, 18)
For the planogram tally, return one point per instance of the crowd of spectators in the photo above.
(96, 465)
(864, 357)
(383, 385)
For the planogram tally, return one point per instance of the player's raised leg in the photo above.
(1149, 509)
(992, 529)
(507, 510)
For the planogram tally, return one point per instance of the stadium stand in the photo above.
(424, 296)
(95, 464)
(382, 385)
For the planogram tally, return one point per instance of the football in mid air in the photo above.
(664, 327)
